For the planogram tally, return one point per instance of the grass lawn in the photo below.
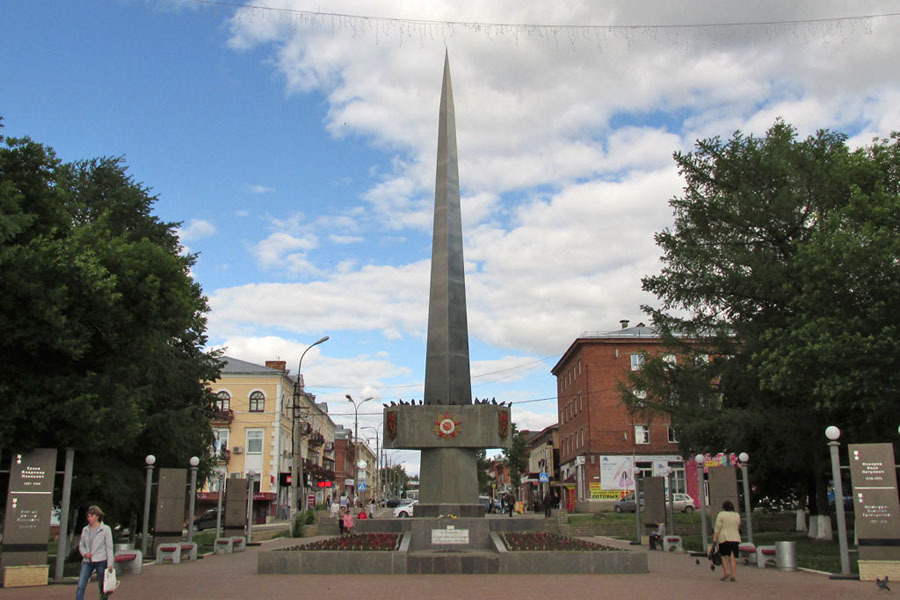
(818, 555)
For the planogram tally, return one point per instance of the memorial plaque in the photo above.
(722, 487)
(875, 501)
(235, 507)
(170, 502)
(654, 508)
(29, 502)
(449, 536)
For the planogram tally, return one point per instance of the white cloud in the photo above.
(257, 189)
(345, 239)
(285, 251)
(196, 229)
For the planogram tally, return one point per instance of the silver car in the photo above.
(405, 509)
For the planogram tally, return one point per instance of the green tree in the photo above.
(103, 326)
(516, 458)
(482, 464)
(779, 293)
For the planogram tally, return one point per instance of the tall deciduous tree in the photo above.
(516, 457)
(103, 326)
(779, 290)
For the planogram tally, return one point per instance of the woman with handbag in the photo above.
(727, 535)
(96, 547)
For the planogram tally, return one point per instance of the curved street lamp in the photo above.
(296, 473)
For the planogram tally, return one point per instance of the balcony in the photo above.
(222, 456)
(223, 416)
(315, 439)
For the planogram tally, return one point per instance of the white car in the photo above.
(682, 503)
(405, 510)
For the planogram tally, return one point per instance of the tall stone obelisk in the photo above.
(448, 427)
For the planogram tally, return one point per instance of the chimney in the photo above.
(623, 323)
(278, 365)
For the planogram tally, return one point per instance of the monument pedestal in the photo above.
(25, 575)
(460, 511)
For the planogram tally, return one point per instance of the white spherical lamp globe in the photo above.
(150, 460)
(743, 457)
(700, 459)
(195, 461)
(832, 433)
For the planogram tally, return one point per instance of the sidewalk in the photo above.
(672, 576)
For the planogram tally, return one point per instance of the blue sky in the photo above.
(297, 149)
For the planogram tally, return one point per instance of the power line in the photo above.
(537, 27)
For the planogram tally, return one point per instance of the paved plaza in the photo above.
(671, 576)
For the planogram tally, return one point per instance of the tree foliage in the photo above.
(103, 325)
(516, 458)
(779, 291)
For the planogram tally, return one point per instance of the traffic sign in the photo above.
(544, 478)
(361, 486)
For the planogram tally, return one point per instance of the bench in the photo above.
(130, 559)
(672, 543)
(175, 551)
(227, 545)
(747, 552)
(764, 554)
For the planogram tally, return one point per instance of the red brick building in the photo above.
(602, 448)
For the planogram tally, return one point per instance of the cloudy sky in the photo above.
(297, 149)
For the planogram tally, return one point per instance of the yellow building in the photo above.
(252, 430)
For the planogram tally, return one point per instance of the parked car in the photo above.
(392, 502)
(626, 504)
(405, 509)
(206, 520)
(486, 503)
(681, 503)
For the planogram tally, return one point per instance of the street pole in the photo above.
(700, 459)
(251, 476)
(194, 462)
(745, 468)
(150, 460)
(378, 494)
(833, 434)
(356, 406)
(219, 507)
(670, 471)
(61, 552)
(296, 468)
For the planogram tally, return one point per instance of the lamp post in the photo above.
(194, 462)
(251, 476)
(700, 459)
(833, 434)
(296, 473)
(745, 467)
(378, 494)
(356, 406)
(669, 472)
(150, 460)
(221, 477)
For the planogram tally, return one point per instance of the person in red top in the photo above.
(362, 514)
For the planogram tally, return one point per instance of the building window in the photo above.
(641, 434)
(581, 402)
(254, 441)
(220, 443)
(637, 361)
(670, 360)
(672, 438)
(579, 366)
(223, 401)
(257, 402)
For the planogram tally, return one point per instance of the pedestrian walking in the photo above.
(727, 534)
(348, 522)
(96, 548)
(340, 519)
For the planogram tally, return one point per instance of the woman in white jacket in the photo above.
(96, 547)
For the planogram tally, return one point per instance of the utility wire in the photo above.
(538, 26)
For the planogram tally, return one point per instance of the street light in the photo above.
(700, 460)
(194, 462)
(296, 474)
(833, 434)
(745, 466)
(669, 472)
(356, 406)
(150, 460)
(378, 494)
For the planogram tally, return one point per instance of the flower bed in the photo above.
(387, 542)
(549, 542)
